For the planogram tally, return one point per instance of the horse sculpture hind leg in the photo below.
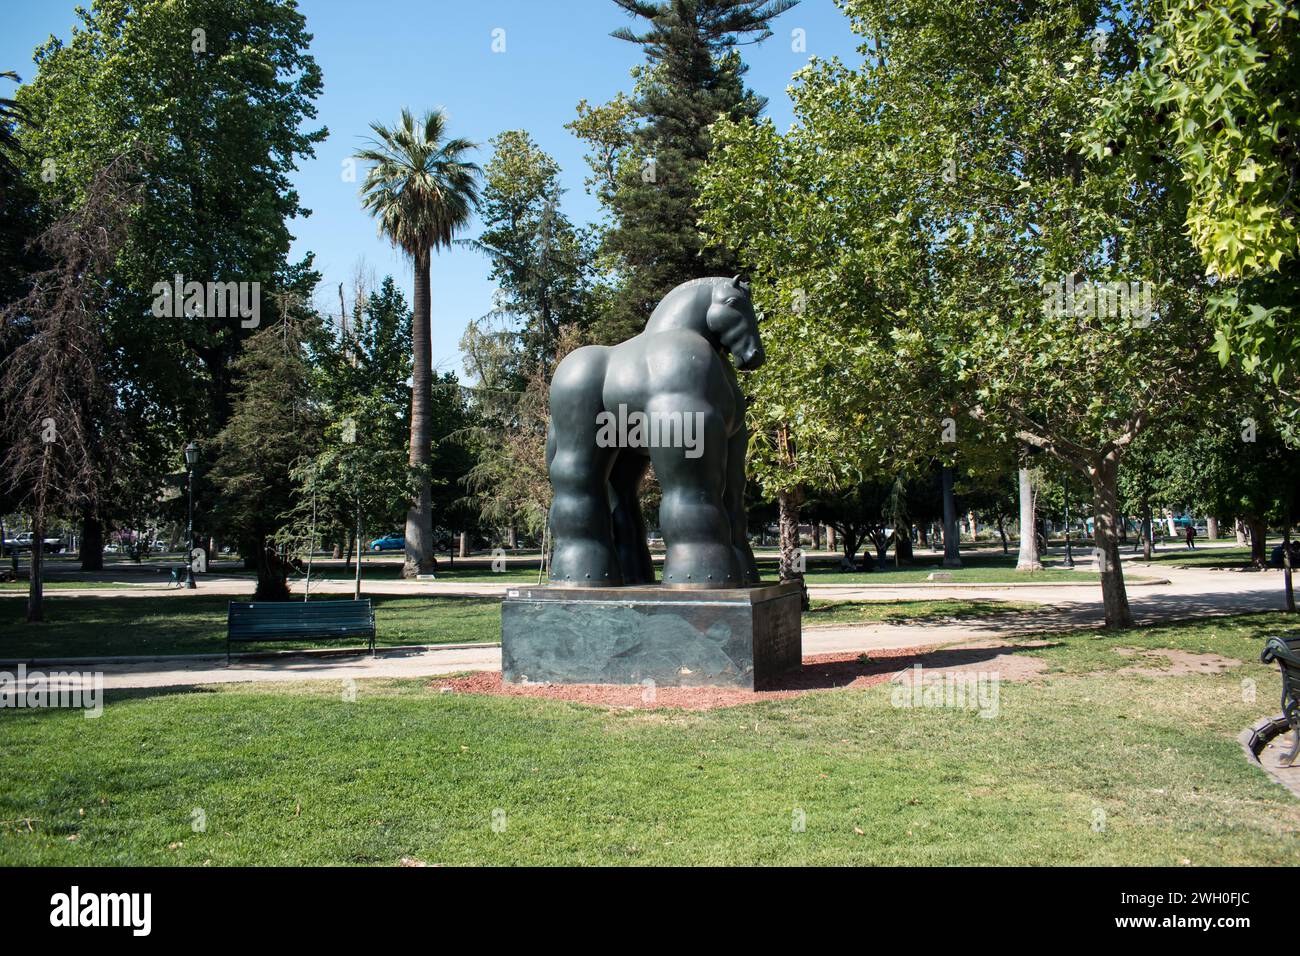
(580, 471)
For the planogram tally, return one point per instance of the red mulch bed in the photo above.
(819, 672)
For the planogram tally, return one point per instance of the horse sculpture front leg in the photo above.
(692, 514)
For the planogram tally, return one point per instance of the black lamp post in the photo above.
(1069, 556)
(191, 459)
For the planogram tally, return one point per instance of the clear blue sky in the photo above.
(381, 55)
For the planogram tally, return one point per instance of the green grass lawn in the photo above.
(910, 612)
(982, 567)
(1083, 766)
(1175, 554)
(181, 623)
(22, 585)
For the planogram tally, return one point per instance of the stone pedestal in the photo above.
(676, 638)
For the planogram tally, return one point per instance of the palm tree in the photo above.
(422, 191)
(11, 114)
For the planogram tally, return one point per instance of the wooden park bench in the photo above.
(1286, 651)
(299, 620)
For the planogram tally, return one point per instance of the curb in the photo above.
(242, 655)
(1257, 736)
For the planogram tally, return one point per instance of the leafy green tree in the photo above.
(542, 266)
(607, 130)
(544, 271)
(422, 190)
(1218, 96)
(360, 379)
(274, 428)
(1237, 465)
(215, 95)
(10, 116)
(509, 478)
(940, 214)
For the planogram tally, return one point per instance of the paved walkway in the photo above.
(394, 662)
(1271, 759)
(1189, 593)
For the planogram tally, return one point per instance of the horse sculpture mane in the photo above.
(687, 305)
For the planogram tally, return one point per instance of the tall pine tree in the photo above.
(694, 75)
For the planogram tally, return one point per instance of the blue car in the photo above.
(389, 542)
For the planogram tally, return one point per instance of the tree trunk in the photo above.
(1147, 530)
(464, 545)
(1211, 529)
(1104, 476)
(1239, 529)
(1169, 523)
(830, 538)
(1258, 539)
(419, 518)
(790, 565)
(35, 573)
(951, 549)
(924, 532)
(1286, 565)
(92, 543)
(1029, 558)
(271, 576)
(902, 546)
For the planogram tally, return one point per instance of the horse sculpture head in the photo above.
(731, 320)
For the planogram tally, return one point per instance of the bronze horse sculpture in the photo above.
(667, 396)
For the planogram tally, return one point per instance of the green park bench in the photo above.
(1286, 651)
(299, 620)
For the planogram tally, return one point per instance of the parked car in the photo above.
(389, 542)
(23, 542)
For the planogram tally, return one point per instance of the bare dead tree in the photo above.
(59, 412)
